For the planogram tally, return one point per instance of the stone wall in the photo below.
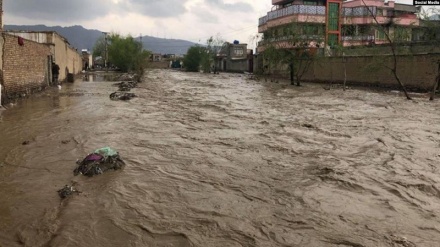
(240, 66)
(1, 15)
(68, 58)
(25, 67)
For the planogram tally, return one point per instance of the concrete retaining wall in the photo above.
(417, 72)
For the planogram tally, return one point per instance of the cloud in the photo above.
(204, 15)
(61, 10)
(157, 8)
(194, 20)
(80, 10)
(236, 7)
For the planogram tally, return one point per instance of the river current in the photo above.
(221, 160)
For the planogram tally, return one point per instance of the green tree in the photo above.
(393, 46)
(99, 47)
(203, 57)
(289, 47)
(193, 58)
(127, 54)
(430, 28)
(213, 47)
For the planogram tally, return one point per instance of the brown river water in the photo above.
(222, 160)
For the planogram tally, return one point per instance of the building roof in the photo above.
(46, 32)
(405, 7)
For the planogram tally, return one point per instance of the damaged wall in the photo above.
(25, 67)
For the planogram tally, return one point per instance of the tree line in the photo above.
(123, 52)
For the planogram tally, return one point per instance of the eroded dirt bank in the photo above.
(221, 160)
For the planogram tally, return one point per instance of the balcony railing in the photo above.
(358, 38)
(293, 39)
(314, 10)
(292, 10)
(359, 11)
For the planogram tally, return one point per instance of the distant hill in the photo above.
(77, 36)
(166, 46)
(434, 18)
(82, 38)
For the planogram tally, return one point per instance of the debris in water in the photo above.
(402, 241)
(127, 77)
(25, 143)
(126, 85)
(98, 162)
(122, 96)
(66, 191)
(381, 141)
(308, 125)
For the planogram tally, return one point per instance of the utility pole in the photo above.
(142, 45)
(105, 52)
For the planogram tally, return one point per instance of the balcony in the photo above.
(279, 2)
(290, 41)
(361, 11)
(292, 10)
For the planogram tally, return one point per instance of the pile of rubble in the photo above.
(122, 96)
(124, 87)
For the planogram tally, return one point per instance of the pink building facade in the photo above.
(358, 24)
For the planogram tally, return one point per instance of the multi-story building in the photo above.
(319, 23)
(234, 57)
(362, 25)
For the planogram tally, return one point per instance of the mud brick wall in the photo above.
(417, 72)
(159, 65)
(1, 15)
(25, 68)
(237, 65)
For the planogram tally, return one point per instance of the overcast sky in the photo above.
(193, 20)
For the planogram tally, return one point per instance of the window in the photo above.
(349, 30)
(380, 34)
(310, 30)
(380, 12)
(286, 30)
(364, 30)
(238, 51)
(402, 34)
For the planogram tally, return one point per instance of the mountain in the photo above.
(77, 36)
(434, 17)
(166, 46)
(82, 38)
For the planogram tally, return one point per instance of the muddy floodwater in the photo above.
(221, 160)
